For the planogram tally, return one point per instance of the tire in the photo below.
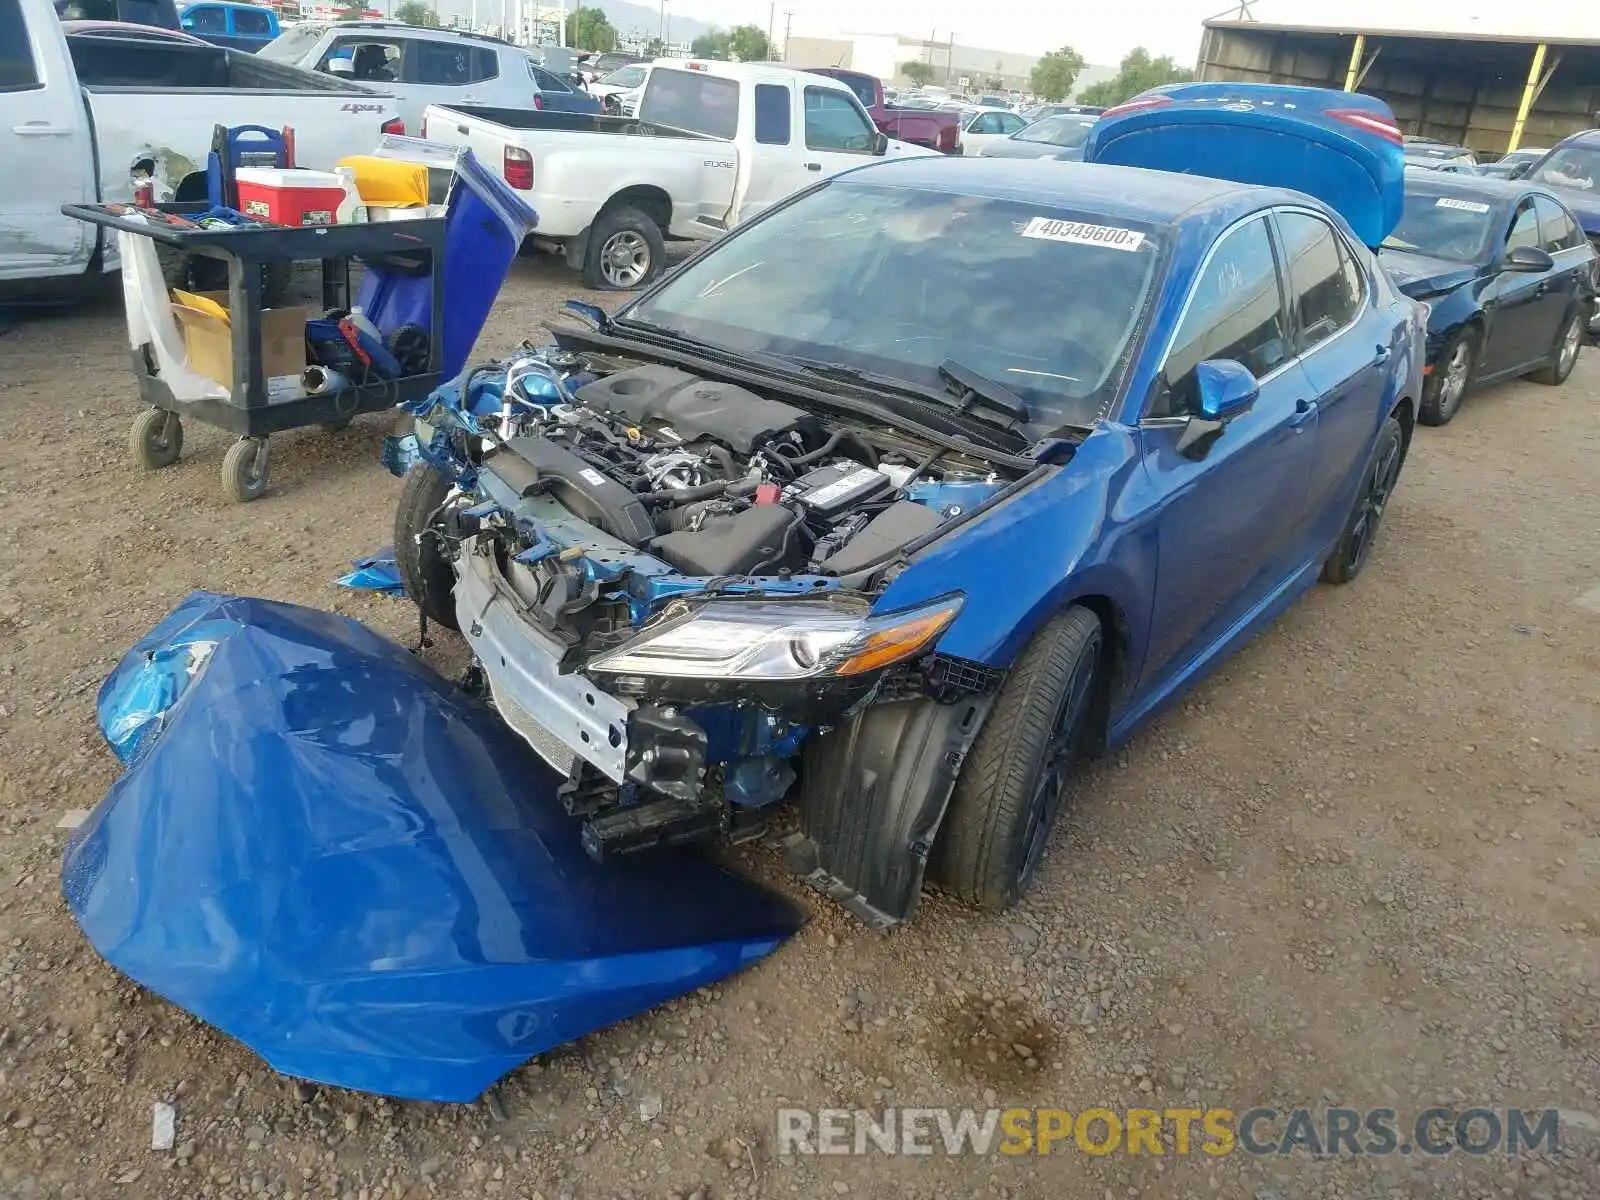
(244, 470)
(1451, 379)
(155, 439)
(1010, 789)
(1361, 526)
(425, 573)
(1564, 355)
(623, 233)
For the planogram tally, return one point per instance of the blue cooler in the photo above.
(485, 224)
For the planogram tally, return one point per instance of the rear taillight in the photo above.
(394, 125)
(518, 168)
(1136, 105)
(538, 100)
(1368, 122)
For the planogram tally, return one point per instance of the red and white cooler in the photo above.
(290, 196)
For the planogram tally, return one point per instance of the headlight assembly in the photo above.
(776, 640)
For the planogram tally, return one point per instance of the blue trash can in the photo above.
(485, 224)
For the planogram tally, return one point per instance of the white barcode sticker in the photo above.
(592, 476)
(1474, 206)
(1083, 233)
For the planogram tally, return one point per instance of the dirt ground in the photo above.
(1359, 866)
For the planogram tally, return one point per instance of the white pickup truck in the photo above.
(80, 120)
(713, 144)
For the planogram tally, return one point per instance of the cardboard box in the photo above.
(208, 342)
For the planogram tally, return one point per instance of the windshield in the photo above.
(1571, 166)
(292, 44)
(1067, 132)
(896, 281)
(624, 77)
(1456, 228)
(862, 85)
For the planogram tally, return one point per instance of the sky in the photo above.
(1103, 33)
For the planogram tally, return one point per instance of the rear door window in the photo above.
(692, 100)
(252, 22)
(1235, 311)
(834, 122)
(546, 81)
(18, 72)
(772, 114)
(1557, 228)
(1323, 290)
(447, 64)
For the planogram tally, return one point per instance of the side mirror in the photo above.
(187, 22)
(1529, 259)
(880, 143)
(1225, 389)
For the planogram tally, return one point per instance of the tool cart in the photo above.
(248, 409)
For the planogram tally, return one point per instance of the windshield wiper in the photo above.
(978, 388)
(905, 387)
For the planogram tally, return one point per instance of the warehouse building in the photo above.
(955, 65)
(1491, 91)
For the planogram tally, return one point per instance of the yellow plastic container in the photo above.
(387, 182)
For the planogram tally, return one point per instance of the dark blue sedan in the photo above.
(1506, 274)
(928, 480)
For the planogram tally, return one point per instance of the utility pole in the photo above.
(788, 21)
(661, 33)
(933, 36)
(772, 12)
(949, 60)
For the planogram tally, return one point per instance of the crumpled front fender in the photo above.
(325, 850)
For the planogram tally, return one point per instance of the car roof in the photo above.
(422, 31)
(1588, 138)
(1129, 193)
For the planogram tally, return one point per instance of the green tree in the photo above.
(416, 12)
(1055, 73)
(710, 45)
(919, 72)
(748, 43)
(654, 48)
(588, 29)
(1137, 72)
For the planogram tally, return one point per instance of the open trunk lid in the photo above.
(1339, 147)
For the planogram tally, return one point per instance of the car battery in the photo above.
(289, 196)
(830, 491)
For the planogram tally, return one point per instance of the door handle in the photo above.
(813, 166)
(1304, 410)
(40, 129)
(1543, 288)
(1380, 356)
(462, 129)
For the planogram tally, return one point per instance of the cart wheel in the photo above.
(244, 469)
(156, 439)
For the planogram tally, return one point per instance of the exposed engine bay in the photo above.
(667, 580)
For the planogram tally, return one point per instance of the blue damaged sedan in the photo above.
(930, 481)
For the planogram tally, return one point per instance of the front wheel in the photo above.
(425, 573)
(1451, 379)
(1564, 356)
(1009, 793)
(1361, 527)
(625, 251)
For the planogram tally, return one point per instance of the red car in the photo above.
(939, 131)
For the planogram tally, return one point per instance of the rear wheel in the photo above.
(424, 571)
(1451, 379)
(625, 251)
(1565, 354)
(1010, 790)
(1361, 527)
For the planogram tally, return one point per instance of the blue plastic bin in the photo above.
(485, 224)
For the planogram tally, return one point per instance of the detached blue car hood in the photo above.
(325, 850)
(1340, 147)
